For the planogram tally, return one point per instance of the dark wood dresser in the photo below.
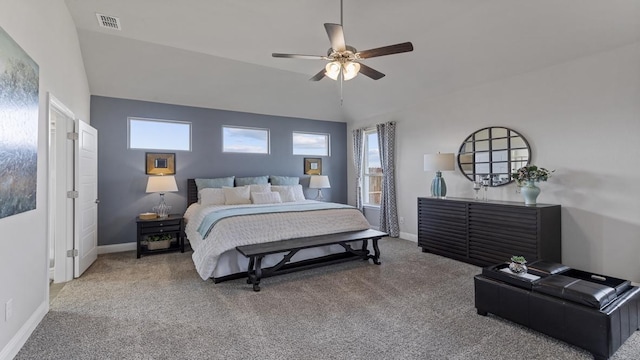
(489, 232)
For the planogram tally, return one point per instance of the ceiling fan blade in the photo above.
(318, 76)
(336, 36)
(367, 71)
(298, 56)
(386, 50)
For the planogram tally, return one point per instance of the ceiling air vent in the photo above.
(107, 21)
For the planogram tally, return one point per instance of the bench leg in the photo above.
(254, 275)
(376, 252)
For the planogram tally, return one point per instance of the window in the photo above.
(372, 169)
(310, 144)
(245, 140)
(159, 134)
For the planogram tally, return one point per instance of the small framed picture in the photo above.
(160, 163)
(312, 166)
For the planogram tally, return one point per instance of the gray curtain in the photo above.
(358, 136)
(388, 207)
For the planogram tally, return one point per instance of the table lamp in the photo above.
(162, 184)
(319, 182)
(438, 163)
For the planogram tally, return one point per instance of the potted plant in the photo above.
(517, 264)
(526, 177)
(160, 241)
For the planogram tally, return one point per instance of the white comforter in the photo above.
(251, 229)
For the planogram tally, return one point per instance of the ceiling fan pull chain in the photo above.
(341, 97)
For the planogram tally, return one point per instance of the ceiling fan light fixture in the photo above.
(333, 70)
(350, 70)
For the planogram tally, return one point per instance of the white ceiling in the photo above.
(217, 54)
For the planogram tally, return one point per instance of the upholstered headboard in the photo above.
(192, 192)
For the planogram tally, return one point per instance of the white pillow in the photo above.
(297, 190)
(211, 196)
(237, 195)
(260, 188)
(289, 193)
(266, 197)
(286, 193)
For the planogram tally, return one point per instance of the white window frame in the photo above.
(268, 131)
(365, 170)
(327, 143)
(160, 147)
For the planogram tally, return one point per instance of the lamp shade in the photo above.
(161, 184)
(319, 182)
(439, 162)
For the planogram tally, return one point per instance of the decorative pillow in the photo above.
(266, 197)
(237, 195)
(284, 180)
(286, 193)
(242, 181)
(211, 196)
(290, 192)
(214, 183)
(260, 188)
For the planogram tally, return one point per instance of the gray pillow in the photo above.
(284, 180)
(214, 183)
(253, 180)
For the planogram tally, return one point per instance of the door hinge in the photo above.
(72, 136)
(72, 194)
(72, 253)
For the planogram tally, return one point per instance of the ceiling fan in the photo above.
(344, 60)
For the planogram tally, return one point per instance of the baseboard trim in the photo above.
(107, 249)
(21, 337)
(409, 236)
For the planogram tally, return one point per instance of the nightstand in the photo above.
(173, 224)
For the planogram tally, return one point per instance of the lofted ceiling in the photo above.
(217, 54)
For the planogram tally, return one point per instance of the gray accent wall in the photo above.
(121, 171)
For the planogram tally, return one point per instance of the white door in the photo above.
(86, 209)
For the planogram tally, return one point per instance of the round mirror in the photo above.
(492, 154)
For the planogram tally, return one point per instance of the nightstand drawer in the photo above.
(160, 223)
(160, 229)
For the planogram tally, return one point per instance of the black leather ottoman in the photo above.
(594, 312)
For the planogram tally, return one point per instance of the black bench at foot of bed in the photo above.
(255, 253)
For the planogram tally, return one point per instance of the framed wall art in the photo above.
(312, 166)
(160, 163)
(19, 86)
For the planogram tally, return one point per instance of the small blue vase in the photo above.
(530, 192)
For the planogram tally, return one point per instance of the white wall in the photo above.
(581, 118)
(45, 30)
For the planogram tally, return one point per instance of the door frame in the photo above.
(60, 218)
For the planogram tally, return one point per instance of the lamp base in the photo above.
(438, 186)
(162, 208)
(320, 197)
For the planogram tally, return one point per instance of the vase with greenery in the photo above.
(517, 265)
(526, 177)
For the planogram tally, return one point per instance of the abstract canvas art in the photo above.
(18, 128)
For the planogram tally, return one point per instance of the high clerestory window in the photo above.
(237, 139)
(310, 144)
(159, 134)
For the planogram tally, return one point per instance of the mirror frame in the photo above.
(466, 157)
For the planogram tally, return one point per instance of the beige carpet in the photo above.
(413, 306)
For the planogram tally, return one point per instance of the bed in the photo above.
(214, 231)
